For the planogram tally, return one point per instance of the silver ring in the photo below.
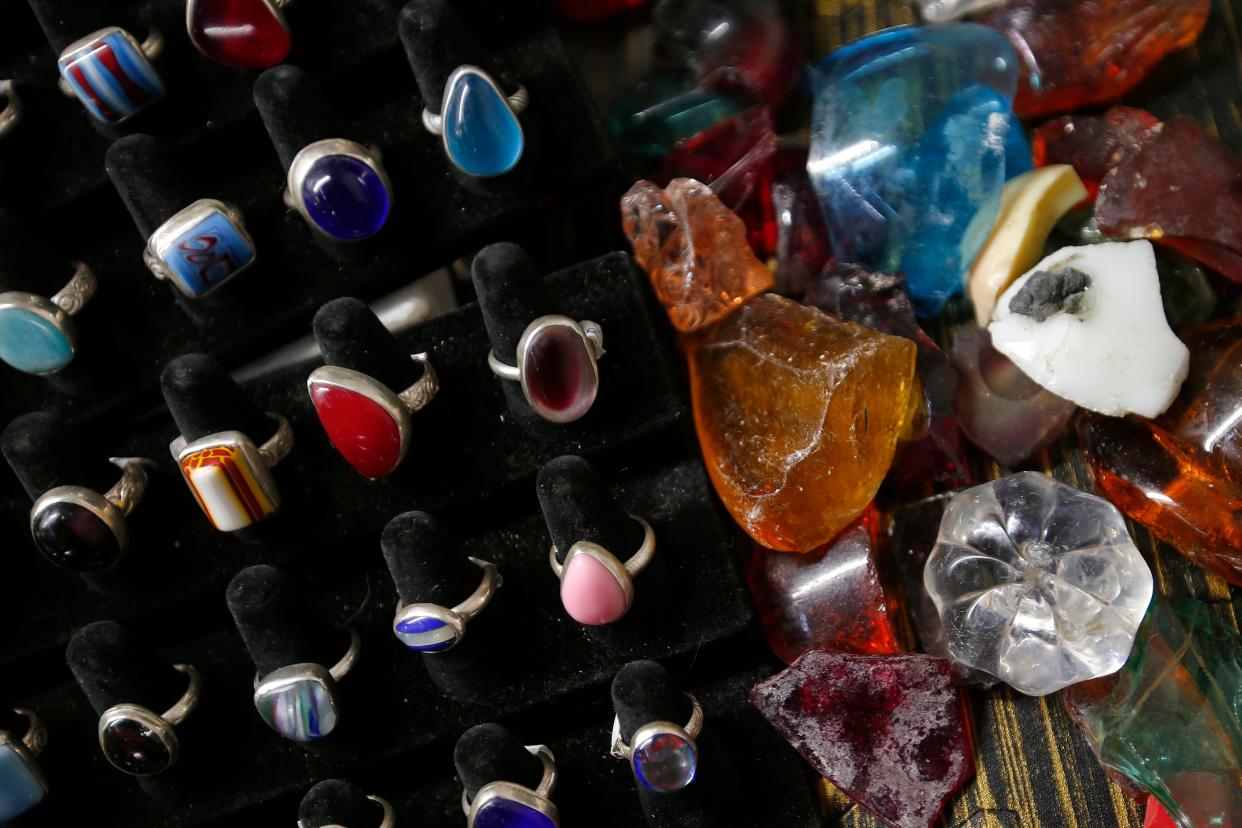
(666, 756)
(557, 366)
(48, 336)
(110, 72)
(231, 477)
(312, 189)
(475, 102)
(26, 785)
(77, 528)
(431, 628)
(300, 701)
(373, 454)
(495, 794)
(389, 820)
(12, 112)
(200, 248)
(137, 741)
(587, 608)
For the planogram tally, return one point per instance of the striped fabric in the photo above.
(111, 76)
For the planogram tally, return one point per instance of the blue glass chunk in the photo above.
(345, 197)
(507, 813)
(32, 343)
(481, 134)
(21, 785)
(912, 137)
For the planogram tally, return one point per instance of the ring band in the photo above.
(389, 820)
(665, 755)
(374, 446)
(12, 112)
(231, 477)
(556, 365)
(43, 327)
(483, 136)
(340, 188)
(110, 72)
(25, 784)
(300, 701)
(431, 628)
(596, 588)
(200, 248)
(137, 741)
(77, 528)
(507, 795)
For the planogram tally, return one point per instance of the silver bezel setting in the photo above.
(12, 112)
(590, 333)
(161, 241)
(458, 616)
(311, 153)
(367, 386)
(149, 49)
(47, 310)
(229, 439)
(434, 122)
(537, 799)
(92, 501)
(279, 680)
(30, 745)
(164, 731)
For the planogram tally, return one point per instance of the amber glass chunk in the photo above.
(798, 415)
(694, 249)
(1075, 53)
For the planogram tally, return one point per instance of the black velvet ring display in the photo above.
(338, 802)
(148, 181)
(491, 753)
(351, 335)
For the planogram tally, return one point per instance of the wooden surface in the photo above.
(1032, 767)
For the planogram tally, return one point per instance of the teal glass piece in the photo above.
(1169, 721)
(32, 342)
(664, 109)
(21, 784)
(913, 136)
(482, 134)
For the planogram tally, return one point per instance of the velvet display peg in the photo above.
(64, 21)
(112, 667)
(578, 506)
(204, 399)
(436, 42)
(337, 802)
(276, 625)
(491, 753)
(27, 265)
(351, 335)
(426, 563)
(294, 111)
(148, 180)
(511, 295)
(643, 692)
(45, 451)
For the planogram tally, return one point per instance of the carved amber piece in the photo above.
(694, 249)
(798, 415)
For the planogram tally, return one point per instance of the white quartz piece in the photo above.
(1107, 347)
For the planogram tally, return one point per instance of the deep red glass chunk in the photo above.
(1092, 144)
(251, 34)
(888, 730)
(1075, 53)
(1156, 816)
(559, 373)
(1183, 183)
(832, 597)
(361, 429)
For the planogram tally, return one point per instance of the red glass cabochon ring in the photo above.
(556, 365)
(365, 420)
(596, 587)
(249, 34)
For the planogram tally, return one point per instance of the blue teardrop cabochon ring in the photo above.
(479, 123)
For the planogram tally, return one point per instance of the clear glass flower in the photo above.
(1037, 583)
